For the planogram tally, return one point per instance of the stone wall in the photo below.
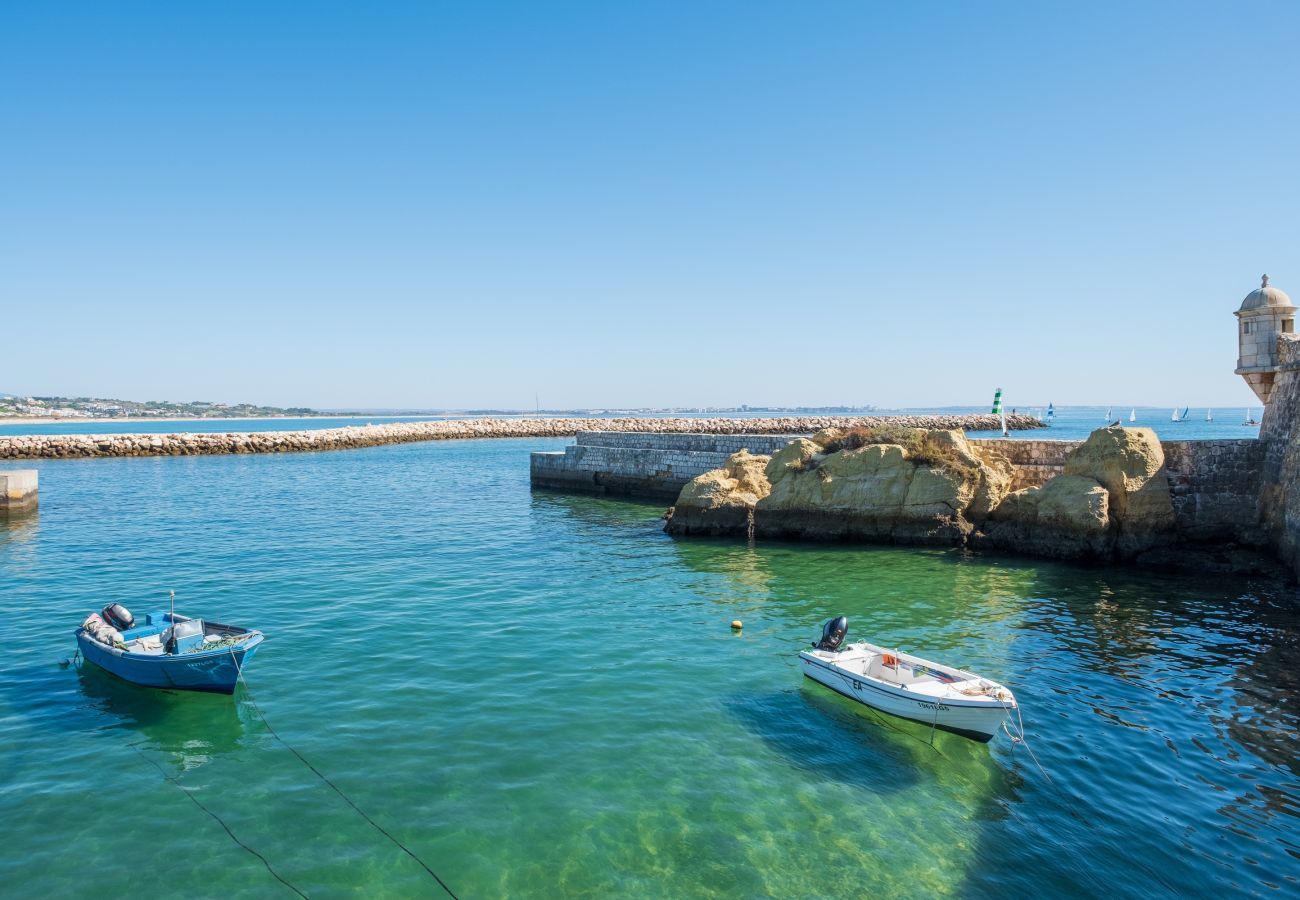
(1280, 478)
(18, 490)
(655, 466)
(1035, 461)
(72, 446)
(1215, 487)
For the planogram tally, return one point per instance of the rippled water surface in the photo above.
(541, 696)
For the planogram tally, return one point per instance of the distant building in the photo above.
(1265, 313)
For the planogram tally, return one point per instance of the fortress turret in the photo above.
(1265, 313)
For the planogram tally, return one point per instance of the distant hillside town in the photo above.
(98, 408)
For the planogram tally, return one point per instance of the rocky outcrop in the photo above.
(1111, 502)
(72, 446)
(878, 492)
(722, 501)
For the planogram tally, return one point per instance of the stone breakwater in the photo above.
(80, 446)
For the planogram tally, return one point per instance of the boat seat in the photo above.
(150, 645)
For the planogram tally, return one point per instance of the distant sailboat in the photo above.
(1133, 415)
(1108, 418)
(1209, 415)
(1250, 420)
(1177, 416)
(1051, 414)
(1005, 431)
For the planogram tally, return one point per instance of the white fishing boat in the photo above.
(908, 686)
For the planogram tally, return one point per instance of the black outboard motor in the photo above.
(118, 616)
(833, 634)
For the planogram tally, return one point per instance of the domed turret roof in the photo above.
(1265, 296)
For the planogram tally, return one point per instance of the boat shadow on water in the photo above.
(189, 727)
(820, 732)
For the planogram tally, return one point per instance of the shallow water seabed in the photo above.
(541, 696)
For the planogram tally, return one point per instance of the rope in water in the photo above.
(346, 799)
(199, 803)
(1020, 737)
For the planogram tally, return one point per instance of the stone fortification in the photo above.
(71, 446)
(1280, 432)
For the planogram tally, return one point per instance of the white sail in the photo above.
(1209, 415)
(1108, 419)
(1133, 415)
(1003, 415)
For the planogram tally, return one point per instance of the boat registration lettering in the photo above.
(938, 706)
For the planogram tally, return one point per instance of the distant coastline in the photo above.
(82, 420)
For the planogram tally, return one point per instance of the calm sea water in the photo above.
(541, 695)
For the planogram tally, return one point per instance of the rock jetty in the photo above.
(77, 446)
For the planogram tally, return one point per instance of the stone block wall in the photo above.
(18, 490)
(1215, 488)
(1034, 461)
(654, 466)
(1280, 432)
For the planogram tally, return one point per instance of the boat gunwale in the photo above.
(901, 693)
(253, 638)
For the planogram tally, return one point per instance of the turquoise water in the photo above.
(541, 696)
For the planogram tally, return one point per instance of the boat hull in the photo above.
(214, 671)
(977, 721)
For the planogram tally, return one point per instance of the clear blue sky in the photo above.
(611, 204)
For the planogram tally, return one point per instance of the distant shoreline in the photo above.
(79, 420)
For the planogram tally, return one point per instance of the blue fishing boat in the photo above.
(167, 650)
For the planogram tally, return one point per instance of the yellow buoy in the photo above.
(736, 624)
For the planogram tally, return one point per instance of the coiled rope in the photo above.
(346, 799)
(199, 803)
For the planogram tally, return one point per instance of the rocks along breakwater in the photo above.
(81, 446)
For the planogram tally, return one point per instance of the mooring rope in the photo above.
(333, 786)
(199, 803)
(1019, 738)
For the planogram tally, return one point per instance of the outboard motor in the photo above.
(833, 634)
(118, 616)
